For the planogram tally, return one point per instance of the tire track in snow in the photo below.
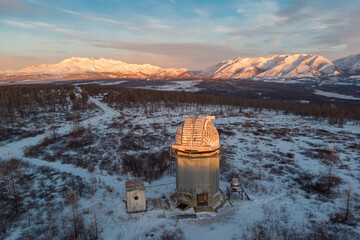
(16, 149)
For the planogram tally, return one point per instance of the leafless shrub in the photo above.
(156, 165)
(226, 132)
(176, 234)
(224, 164)
(38, 149)
(49, 157)
(33, 151)
(326, 230)
(345, 211)
(317, 184)
(129, 142)
(132, 164)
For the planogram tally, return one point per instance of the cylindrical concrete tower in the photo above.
(197, 162)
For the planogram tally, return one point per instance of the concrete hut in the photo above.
(197, 162)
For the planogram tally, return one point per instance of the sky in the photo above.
(174, 33)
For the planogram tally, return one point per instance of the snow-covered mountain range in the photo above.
(286, 68)
(349, 65)
(76, 68)
(273, 67)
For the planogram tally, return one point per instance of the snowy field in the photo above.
(335, 95)
(299, 187)
(187, 86)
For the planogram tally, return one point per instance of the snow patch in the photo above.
(335, 95)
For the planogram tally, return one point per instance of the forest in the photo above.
(24, 99)
(335, 113)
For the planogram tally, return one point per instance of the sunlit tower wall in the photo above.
(197, 162)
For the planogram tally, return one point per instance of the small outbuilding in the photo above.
(135, 196)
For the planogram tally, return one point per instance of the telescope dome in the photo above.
(197, 135)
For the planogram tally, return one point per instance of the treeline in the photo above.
(23, 100)
(335, 113)
(18, 102)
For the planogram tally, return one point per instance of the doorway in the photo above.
(202, 199)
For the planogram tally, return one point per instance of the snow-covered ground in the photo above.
(112, 82)
(335, 95)
(279, 160)
(186, 86)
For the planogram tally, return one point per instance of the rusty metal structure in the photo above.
(236, 188)
(196, 150)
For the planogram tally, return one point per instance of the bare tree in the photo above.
(343, 214)
(73, 199)
(330, 159)
(347, 208)
(96, 232)
(11, 171)
(10, 192)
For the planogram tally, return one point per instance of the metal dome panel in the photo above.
(197, 134)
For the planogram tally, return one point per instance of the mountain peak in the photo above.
(349, 65)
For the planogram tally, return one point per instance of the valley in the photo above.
(302, 93)
(299, 171)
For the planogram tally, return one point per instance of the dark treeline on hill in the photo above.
(19, 101)
(335, 113)
(26, 109)
(27, 99)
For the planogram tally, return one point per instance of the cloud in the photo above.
(298, 26)
(46, 27)
(148, 22)
(19, 24)
(261, 14)
(191, 55)
(336, 26)
(142, 24)
(16, 7)
(87, 16)
(46, 42)
(178, 49)
(93, 17)
(196, 34)
(8, 62)
(201, 12)
(72, 33)
(272, 40)
(27, 24)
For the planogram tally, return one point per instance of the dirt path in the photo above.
(16, 148)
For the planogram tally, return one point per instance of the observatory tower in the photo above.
(197, 162)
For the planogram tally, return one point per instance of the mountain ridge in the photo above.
(350, 65)
(285, 68)
(273, 67)
(90, 68)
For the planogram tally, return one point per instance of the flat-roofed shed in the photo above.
(135, 196)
